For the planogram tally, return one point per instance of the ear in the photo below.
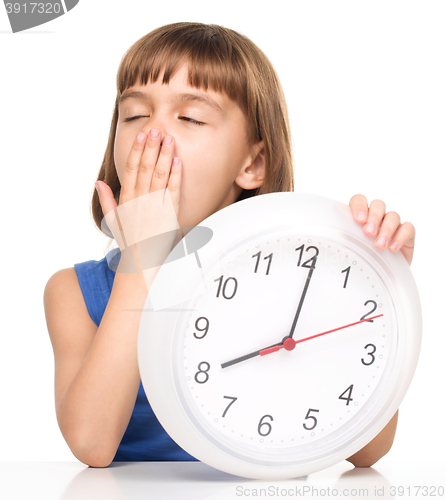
(252, 174)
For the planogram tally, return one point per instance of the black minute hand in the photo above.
(299, 307)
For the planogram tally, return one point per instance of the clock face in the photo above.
(285, 343)
(305, 288)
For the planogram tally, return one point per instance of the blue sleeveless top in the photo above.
(145, 439)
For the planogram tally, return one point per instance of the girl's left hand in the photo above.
(385, 227)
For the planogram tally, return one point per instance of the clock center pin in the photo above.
(289, 344)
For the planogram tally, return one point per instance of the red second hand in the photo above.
(289, 344)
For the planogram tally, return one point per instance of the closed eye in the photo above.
(134, 118)
(191, 120)
(185, 118)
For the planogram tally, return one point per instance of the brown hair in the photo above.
(225, 61)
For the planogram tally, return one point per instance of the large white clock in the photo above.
(285, 344)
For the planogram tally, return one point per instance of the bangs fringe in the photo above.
(212, 62)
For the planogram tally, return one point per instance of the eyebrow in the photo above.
(142, 96)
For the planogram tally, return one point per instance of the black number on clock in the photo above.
(224, 287)
(262, 425)
(205, 329)
(348, 398)
(200, 379)
(308, 416)
(270, 257)
(311, 262)
(369, 354)
(229, 405)
(347, 273)
(375, 305)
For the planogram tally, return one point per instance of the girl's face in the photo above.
(210, 139)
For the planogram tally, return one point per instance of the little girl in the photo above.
(200, 117)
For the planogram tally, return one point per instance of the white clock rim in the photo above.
(184, 431)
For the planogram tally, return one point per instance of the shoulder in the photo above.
(61, 279)
(61, 283)
(64, 304)
(62, 286)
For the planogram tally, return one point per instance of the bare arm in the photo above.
(96, 369)
(378, 447)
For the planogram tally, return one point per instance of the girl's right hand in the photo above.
(149, 198)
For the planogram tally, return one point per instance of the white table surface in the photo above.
(197, 481)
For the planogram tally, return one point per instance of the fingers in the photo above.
(175, 183)
(360, 208)
(371, 216)
(110, 224)
(389, 225)
(162, 169)
(106, 198)
(132, 168)
(403, 237)
(148, 166)
(385, 227)
(377, 211)
(404, 240)
(163, 165)
(148, 161)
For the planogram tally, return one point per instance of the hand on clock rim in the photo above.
(290, 342)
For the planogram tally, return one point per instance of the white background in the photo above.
(365, 85)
